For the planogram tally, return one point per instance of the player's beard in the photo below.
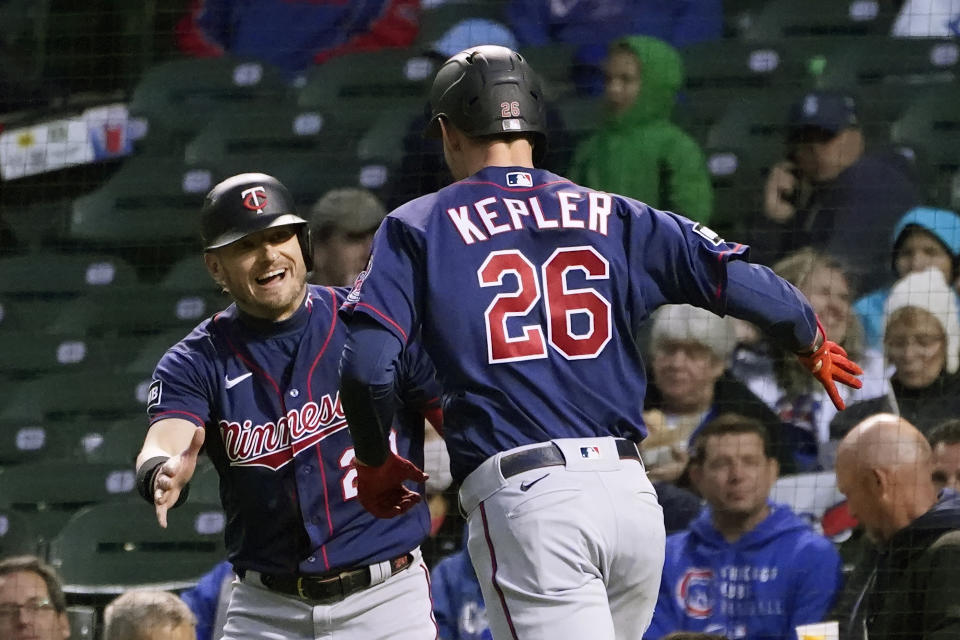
(272, 304)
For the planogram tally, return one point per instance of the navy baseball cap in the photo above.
(830, 111)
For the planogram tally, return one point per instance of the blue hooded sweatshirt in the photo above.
(760, 587)
(943, 224)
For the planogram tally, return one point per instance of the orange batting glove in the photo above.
(829, 364)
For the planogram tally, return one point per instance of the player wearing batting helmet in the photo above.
(257, 386)
(528, 290)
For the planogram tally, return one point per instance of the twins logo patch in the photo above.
(154, 393)
(694, 592)
(254, 198)
(519, 179)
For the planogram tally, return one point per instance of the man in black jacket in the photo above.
(905, 586)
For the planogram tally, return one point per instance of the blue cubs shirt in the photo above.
(268, 396)
(529, 289)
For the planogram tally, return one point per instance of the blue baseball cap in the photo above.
(830, 111)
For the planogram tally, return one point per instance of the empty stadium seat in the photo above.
(80, 396)
(17, 534)
(31, 441)
(789, 18)
(553, 63)
(50, 492)
(300, 147)
(358, 87)
(189, 275)
(437, 19)
(111, 312)
(178, 97)
(931, 126)
(149, 201)
(756, 127)
(109, 548)
(52, 273)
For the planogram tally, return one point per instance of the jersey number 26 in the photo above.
(561, 303)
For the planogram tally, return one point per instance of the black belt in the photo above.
(327, 588)
(549, 454)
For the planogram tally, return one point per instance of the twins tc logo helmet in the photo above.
(247, 203)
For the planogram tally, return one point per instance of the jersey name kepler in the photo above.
(491, 216)
(274, 444)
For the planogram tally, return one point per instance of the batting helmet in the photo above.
(247, 203)
(488, 90)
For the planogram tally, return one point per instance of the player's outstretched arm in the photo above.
(166, 463)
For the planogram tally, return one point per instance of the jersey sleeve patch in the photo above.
(154, 394)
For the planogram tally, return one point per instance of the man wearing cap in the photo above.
(828, 193)
(342, 224)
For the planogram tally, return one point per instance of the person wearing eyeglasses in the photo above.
(32, 604)
(921, 342)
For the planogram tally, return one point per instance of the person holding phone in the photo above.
(829, 193)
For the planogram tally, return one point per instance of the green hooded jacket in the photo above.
(641, 153)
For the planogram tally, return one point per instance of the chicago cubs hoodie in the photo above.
(773, 578)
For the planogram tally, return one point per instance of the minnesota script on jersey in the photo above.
(533, 340)
(268, 396)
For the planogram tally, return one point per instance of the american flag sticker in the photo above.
(589, 452)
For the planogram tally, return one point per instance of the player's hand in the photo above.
(829, 364)
(380, 489)
(781, 186)
(173, 475)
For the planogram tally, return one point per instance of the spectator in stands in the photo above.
(638, 151)
(422, 169)
(924, 237)
(342, 224)
(829, 194)
(928, 18)
(208, 600)
(690, 385)
(32, 604)
(907, 585)
(747, 567)
(783, 384)
(944, 441)
(921, 340)
(593, 24)
(148, 615)
(457, 600)
(294, 34)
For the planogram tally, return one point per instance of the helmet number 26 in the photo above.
(561, 303)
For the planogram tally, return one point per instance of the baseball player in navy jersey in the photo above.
(257, 384)
(528, 290)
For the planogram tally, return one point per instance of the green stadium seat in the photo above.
(756, 127)
(144, 360)
(205, 484)
(581, 115)
(52, 491)
(111, 312)
(49, 273)
(29, 441)
(110, 548)
(189, 275)
(76, 396)
(790, 19)
(737, 180)
(383, 140)
(357, 88)
(17, 534)
(28, 353)
(931, 126)
(178, 97)
(887, 74)
(17, 314)
(120, 443)
(299, 146)
(553, 63)
(149, 201)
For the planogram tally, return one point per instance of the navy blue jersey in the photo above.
(529, 290)
(267, 394)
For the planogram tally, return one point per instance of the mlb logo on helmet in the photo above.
(589, 452)
(254, 198)
(519, 179)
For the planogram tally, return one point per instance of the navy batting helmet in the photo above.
(488, 90)
(247, 203)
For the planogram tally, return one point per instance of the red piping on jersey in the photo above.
(333, 324)
(433, 618)
(720, 257)
(323, 471)
(493, 577)
(160, 416)
(385, 317)
(517, 189)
